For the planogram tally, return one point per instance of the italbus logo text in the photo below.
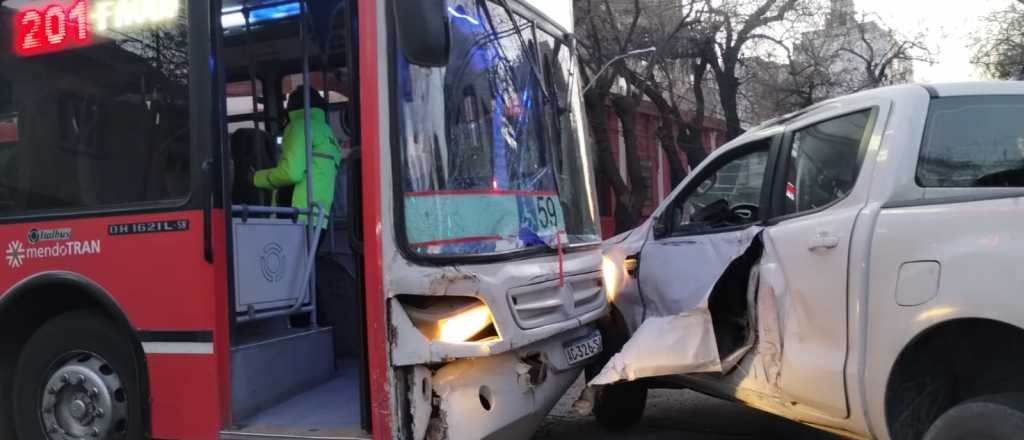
(49, 243)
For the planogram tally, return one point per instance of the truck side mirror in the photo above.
(423, 31)
(658, 227)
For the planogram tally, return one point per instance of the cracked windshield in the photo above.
(504, 166)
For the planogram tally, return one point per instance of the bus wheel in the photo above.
(78, 378)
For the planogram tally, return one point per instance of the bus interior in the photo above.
(298, 363)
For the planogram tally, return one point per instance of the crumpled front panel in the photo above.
(677, 335)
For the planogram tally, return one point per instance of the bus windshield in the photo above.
(493, 158)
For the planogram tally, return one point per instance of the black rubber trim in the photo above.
(932, 91)
(175, 335)
(954, 199)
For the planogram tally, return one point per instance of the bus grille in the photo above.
(542, 304)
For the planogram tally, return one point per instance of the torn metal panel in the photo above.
(619, 284)
(504, 396)
(677, 279)
(770, 297)
(665, 345)
(421, 391)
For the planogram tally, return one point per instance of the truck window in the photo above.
(97, 113)
(973, 141)
(729, 197)
(824, 161)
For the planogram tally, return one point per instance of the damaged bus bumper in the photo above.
(503, 396)
(479, 359)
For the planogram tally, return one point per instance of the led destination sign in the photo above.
(49, 27)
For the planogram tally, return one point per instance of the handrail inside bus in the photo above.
(313, 230)
(257, 209)
(308, 132)
(307, 274)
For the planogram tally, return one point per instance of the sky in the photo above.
(947, 24)
(559, 10)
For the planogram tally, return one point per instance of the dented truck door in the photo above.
(816, 201)
(711, 221)
(695, 238)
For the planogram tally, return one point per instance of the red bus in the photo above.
(149, 290)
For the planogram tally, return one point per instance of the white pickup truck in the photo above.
(857, 266)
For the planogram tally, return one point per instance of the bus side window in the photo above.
(8, 140)
(102, 125)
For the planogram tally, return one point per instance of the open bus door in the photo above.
(298, 363)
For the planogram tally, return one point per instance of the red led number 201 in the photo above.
(51, 28)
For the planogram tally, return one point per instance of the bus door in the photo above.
(296, 305)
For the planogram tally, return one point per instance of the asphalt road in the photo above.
(677, 414)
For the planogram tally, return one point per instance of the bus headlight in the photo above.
(450, 318)
(465, 324)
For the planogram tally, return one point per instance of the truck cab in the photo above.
(850, 266)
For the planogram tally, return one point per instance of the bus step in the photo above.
(267, 372)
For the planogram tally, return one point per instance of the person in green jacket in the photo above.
(291, 168)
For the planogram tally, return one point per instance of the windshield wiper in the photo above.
(529, 55)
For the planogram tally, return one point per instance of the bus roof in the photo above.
(559, 11)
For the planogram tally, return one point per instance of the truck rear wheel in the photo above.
(992, 417)
(78, 378)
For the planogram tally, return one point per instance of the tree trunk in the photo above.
(728, 92)
(667, 139)
(625, 108)
(666, 129)
(691, 135)
(607, 169)
(691, 140)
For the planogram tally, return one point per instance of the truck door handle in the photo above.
(824, 241)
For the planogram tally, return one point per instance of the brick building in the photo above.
(652, 159)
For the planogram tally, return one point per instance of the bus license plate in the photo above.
(579, 350)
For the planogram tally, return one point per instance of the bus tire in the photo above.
(993, 417)
(78, 375)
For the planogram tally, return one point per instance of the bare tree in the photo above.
(835, 58)
(606, 30)
(999, 44)
(674, 34)
(602, 39)
(881, 52)
(738, 23)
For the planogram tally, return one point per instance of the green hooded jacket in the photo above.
(291, 168)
